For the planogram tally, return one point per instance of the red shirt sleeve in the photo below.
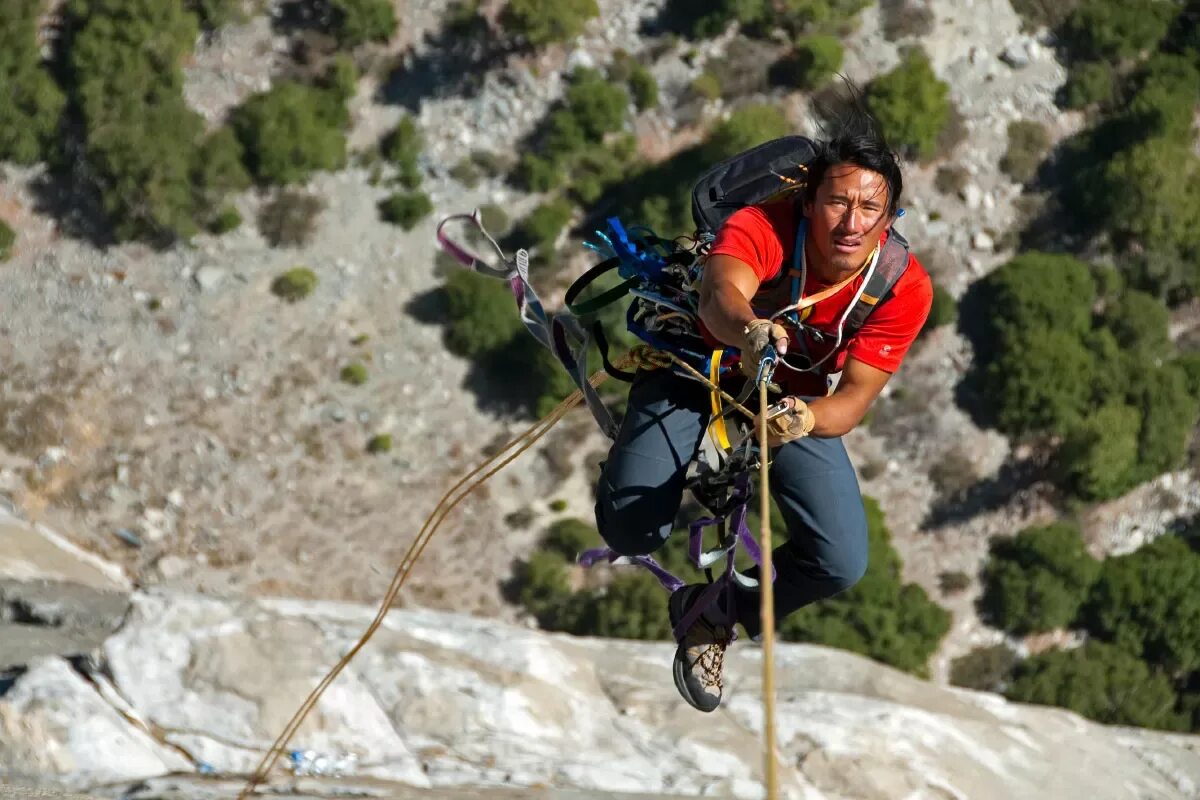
(754, 235)
(890, 330)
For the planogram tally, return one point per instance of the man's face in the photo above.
(846, 219)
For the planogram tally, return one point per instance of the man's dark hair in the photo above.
(850, 135)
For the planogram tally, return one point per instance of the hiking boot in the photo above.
(699, 660)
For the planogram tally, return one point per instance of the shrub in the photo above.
(1038, 13)
(1101, 682)
(643, 88)
(139, 140)
(1146, 604)
(1027, 145)
(479, 311)
(570, 537)
(402, 147)
(953, 582)
(29, 117)
(225, 220)
(558, 505)
(879, 616)
(295, 284)
(951, 179)
(214, 14)
(943, 311)
(541, 22)
(219, 169)
(1037, 580)
(291, 131)
(814, 61)
(380, 443)
(1089, 83)
(356, 22)
(354, 374)
(405, 209)
(911, 104)
(541, 229)
(707, 86)
(8, 238)
(1100, 453)
(289, 218)
(1111, 30)
(985, 669)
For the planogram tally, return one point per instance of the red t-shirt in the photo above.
(764, 237)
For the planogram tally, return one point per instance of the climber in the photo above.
(831, 240)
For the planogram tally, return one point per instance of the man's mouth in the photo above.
(846, 245)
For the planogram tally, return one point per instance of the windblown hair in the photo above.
(850, 135)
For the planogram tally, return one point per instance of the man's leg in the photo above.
(641, 483)
(814, 485)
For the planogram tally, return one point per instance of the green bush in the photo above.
(289, 218)
(541, 22)
(814, 61)
(8, 238)
(880, 616)
(706, 86)
(291, 131)
(295, 284)
(540, 230)
(1089, 83)
(943, 311)
(1043, 381)
(214, 14)
(570, 537)
(1154, 198)
(643, 88)
(380, 443)
(905, 18)
(225, 220)
(953, 582)
(354, 374)
(1037, 580)
(985, 669)
(1027, 146)
(1101, 682)
(356, 22)
(29, 118)
(911, 104)
(1169, 413)
(1038, 13)
(1111, 30)
(1139, 323)
(405, 209)
(1146, 603)
(951, 179)
(139, 140)
(596, 106)
(480, 313)
(219, 169)
(1100, 453)
(632, 607)
(402, 147)
(761, 18)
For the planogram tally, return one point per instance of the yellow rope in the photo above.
(767, 609)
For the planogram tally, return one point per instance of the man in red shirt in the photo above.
(840, 222)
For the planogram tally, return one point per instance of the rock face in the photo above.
(439, 701)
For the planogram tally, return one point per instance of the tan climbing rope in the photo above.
(641, 356)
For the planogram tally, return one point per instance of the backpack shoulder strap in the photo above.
(893, 261)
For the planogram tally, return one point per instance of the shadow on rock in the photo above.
(453, 63)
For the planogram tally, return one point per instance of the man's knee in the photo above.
(630, 526)
(847, 566)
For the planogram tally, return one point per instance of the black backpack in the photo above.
(773, 170)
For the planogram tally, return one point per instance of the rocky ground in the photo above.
(167, 412)
(445, 705)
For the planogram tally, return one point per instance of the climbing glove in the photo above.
(760, 334)
(788, 420)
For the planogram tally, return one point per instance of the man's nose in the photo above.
(853, 220)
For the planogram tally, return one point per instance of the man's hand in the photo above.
(760, 334)
(788, 420)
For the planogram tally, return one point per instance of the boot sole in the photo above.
(679, 666)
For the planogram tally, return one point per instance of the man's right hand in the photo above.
(758, 335)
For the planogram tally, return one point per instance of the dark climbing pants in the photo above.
(812, 481)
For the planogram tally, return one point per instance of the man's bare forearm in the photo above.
(726, 312)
